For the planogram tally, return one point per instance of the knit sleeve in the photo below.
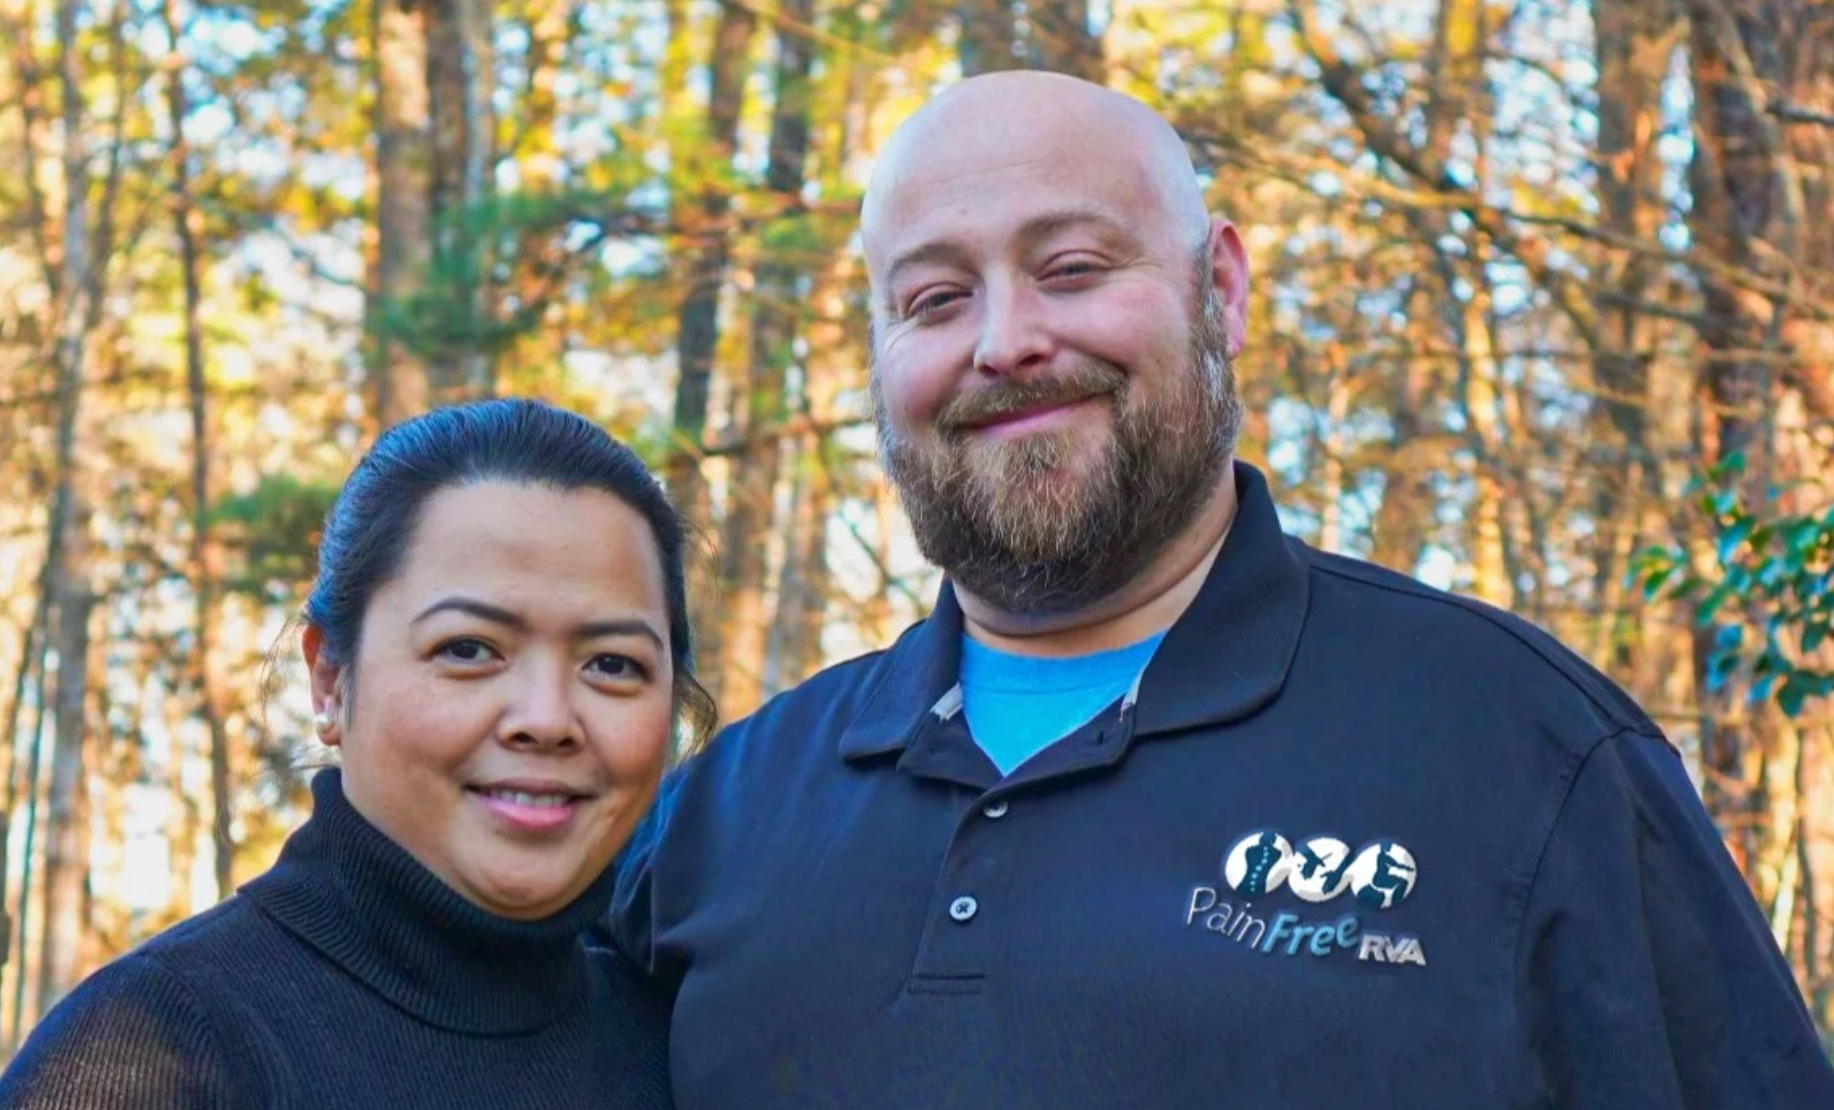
(130, 1037)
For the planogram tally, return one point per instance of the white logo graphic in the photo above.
(1321, 868)
(1258, 863)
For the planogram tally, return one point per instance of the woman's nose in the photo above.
(541, 710)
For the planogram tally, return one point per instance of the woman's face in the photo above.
(509, 707)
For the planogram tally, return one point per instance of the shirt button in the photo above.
(995, 810)
(963, 908)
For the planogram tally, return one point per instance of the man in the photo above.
(1161, 808)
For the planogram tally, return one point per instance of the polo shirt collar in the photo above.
(909, 681)
(1225, 659)
(1228, 656)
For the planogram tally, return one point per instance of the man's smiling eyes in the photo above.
(1060, 270)
(931, 302)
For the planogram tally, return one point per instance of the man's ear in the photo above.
(1229, 275)
(327, 689)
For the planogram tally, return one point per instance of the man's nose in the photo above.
(541, 712)
(1013, 335)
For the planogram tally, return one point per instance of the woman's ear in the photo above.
(327, 690)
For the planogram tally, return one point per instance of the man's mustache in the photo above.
(1009, 396)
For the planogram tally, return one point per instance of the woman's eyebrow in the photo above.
(480, 609)
(628, 626)
(587, 630)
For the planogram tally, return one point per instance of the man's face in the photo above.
(1051, 376)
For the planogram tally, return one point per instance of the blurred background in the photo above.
(1543, 313)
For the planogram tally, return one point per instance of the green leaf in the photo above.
(1791, 697)
(1710, 605)
(1813, 635)
(1738, 578)
(1772, 575)
(1719, 671)
(1734, 537)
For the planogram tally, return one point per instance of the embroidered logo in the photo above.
(1380, 876)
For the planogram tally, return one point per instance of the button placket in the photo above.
(952, 953)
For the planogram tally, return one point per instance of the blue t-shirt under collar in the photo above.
(1018, 705)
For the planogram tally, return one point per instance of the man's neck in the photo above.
(1151, 602)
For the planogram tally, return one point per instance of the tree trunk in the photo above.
(708, 244)
(1403, 521)
(538, 161)
(703, 173)
(399, 386)
(459, 83)
(795, 650)
(66, 823)
(1740, 215)
(206, 554)
(1061, 40)
(1331, 446)
(1634, 43)
(989, 39)
(71, 599)
(746, 531)
(22, 930)
(1492, 572)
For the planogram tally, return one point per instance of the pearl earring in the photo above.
(323, 720)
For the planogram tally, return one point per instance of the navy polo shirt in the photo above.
(1350, 842)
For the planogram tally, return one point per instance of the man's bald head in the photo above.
(1055, 316)
(1028, 119)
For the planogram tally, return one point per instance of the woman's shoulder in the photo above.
(621, 986)
(134, 1034)
(631, 1010)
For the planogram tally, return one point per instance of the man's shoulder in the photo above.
(1403, 618)
(833, 691)
(819, 707)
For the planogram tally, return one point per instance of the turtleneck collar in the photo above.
(361, 900)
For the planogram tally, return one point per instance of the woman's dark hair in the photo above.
(511, 440)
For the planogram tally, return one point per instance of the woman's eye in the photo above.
(621, 667)
(466, 651)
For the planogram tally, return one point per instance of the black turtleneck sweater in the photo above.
(351, 976)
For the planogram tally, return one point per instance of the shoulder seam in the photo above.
(1465, 605)
(203, 1013)
(1575, 767)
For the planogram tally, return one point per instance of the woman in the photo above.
(498, 644)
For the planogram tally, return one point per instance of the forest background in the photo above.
(1543, 313)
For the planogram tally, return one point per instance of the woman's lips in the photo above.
(529, 810)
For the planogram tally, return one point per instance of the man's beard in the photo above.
(1021, 525)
